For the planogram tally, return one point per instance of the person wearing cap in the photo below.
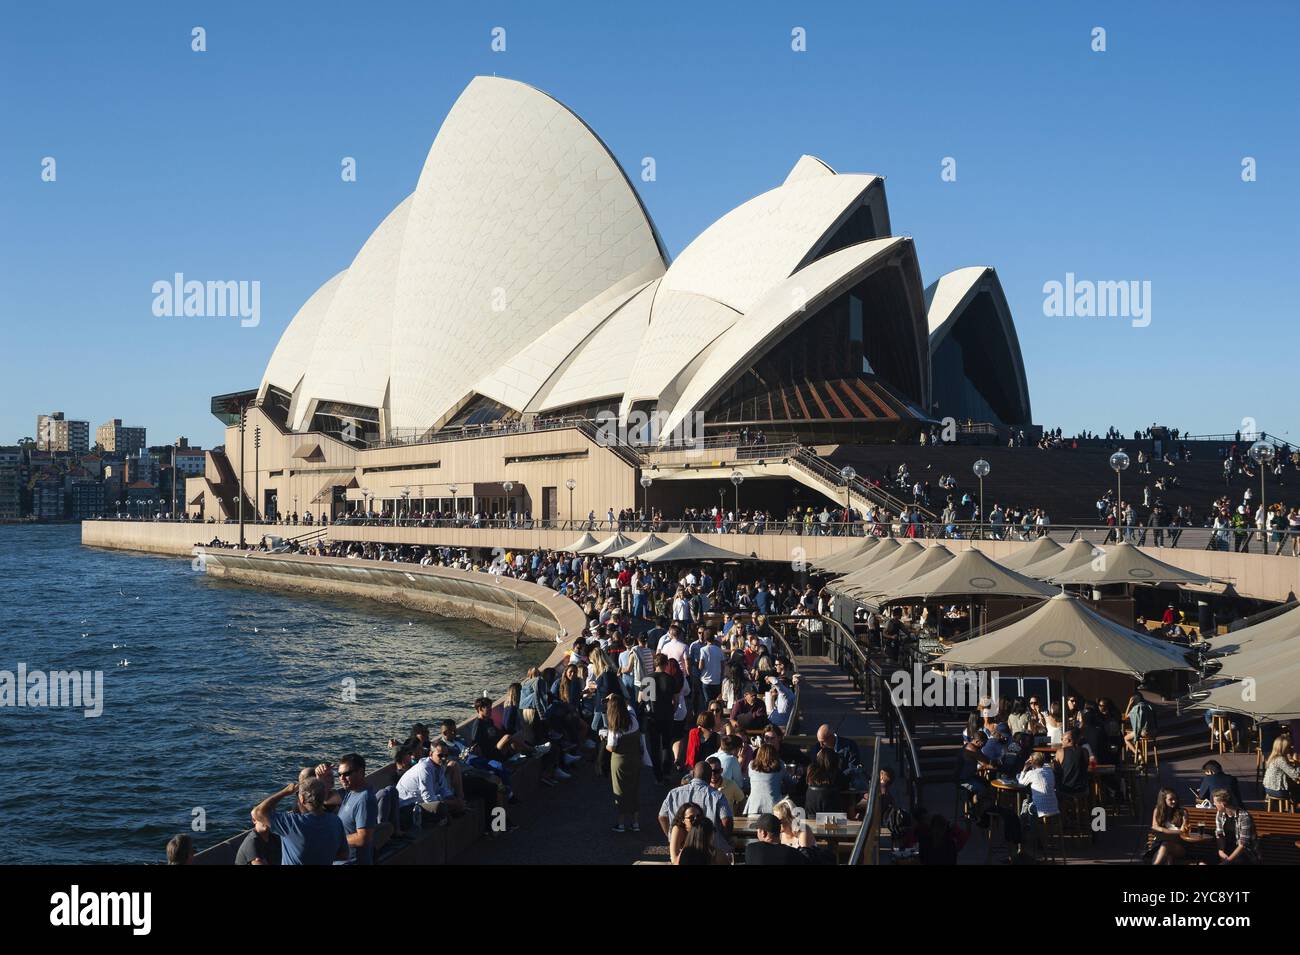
(767, 848)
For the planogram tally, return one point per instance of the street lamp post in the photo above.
(406, 494)
(257, 485)
(737, 479)
(454, 514)
(243, 421)
(646, 481)
(508, 486)
(1119, 462)
(981, 469)
(570, 484)
(1263, 453)
(848, 475)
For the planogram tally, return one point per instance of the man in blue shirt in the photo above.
(359, 811)
(310, 836)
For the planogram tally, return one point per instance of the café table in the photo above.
(1008, 788)
(746, 827)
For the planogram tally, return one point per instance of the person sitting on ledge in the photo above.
(260, 847)
(310, 836)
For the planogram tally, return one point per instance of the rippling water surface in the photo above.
(228, 690)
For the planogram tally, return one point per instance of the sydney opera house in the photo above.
(520, 299)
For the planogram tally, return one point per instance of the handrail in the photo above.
(869, 492)
(866, 848)
(870, 680)
(1188, 537)
(314, 533)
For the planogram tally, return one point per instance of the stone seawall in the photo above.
(515, 606)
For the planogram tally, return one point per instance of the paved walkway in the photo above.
(573, 822)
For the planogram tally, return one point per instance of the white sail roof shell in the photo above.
(521, 216)
(350, 359)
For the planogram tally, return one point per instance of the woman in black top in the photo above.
(826, 784)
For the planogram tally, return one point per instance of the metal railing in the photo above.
(866, 848)
(869, 678)
(875, 494)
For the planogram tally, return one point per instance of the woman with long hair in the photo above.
(1280, 773)
(702, 741)
(765, 776)
(623, 743)
(826, 784)
(1053, 724)
(1168, 820)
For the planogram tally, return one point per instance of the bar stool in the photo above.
(1278, 804)
(1147, 751)
(1217, 725)
(1074, 815)
(1053, 829)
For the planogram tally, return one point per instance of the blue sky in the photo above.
(1122, 165)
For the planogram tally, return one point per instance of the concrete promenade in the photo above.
(1254, 575)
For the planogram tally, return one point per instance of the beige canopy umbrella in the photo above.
(1123, 563)
(1268, 696)
(1264, 647)
(605, 547)
(880, 551)
(1078, 553)
(1257, 659)
(690, 547)
(1270, 633)
(833, 563)
(902, 554)
(581, 544)
(1063, 632)
(930, 559)
(969, 574)
(1022, 557)
(646, 544)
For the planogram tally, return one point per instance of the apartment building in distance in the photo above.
(54, 432)
(112, 436)
(11, 483)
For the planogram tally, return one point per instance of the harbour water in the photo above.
(214, 694)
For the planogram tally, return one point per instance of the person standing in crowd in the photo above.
(623, 743)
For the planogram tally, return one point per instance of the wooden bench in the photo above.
(1278, 833)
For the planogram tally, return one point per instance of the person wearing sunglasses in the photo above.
(359, 811)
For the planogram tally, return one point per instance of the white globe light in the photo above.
(981, 468)
(1262, 452)
(847, 474)
(1119, 461)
